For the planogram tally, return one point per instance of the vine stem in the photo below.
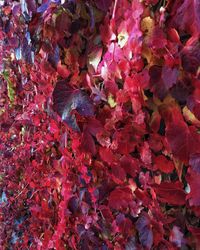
(114, 9)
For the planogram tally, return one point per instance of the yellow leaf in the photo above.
(190, 117)
(122, 38)
(95, 58)
(147, 24)
(111, 101)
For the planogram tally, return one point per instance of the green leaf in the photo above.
(10, 87)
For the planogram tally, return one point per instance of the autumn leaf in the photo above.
(66, 100)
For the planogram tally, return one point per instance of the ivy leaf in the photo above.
(66, 99)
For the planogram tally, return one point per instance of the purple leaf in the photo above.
(43, 7)
(162, 79)
(156, 83)
(73, 204)
(145, 232)
(182, 90)
(103, 5)
(27, 53)
(190, 56)
(169, 76)
(131, 244)
(195, 162)
(54, 57)
(31, 4)
(66, 99)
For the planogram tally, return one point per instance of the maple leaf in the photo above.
(66, 99)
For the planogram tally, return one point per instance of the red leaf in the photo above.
(193, 180)
(120, 198)
(164, 165)
(63, 70)
(195, 233)
(183, 140)
(130, 165)
(170, 192)
(119, 174)
(146, 154)
(107, 155)
(178, 137)
(87, 143)
(162, 79)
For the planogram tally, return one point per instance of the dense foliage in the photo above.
(100, 124)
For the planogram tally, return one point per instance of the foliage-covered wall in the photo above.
(99, 124)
